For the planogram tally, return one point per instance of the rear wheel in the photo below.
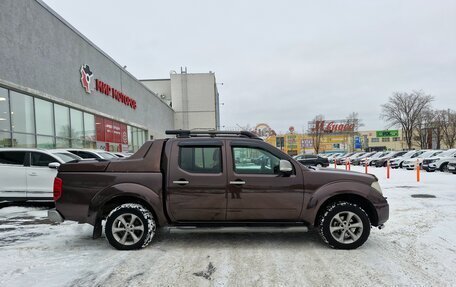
(130, 226)
(344, 225)
(318, 165)
(444, 167)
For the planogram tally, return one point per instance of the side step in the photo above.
(238, 229)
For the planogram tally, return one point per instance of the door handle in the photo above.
(181, 182)
(33, 174)
(237, 182)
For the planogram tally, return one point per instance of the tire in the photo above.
(400, 165)
(444, 167)
(335, 216)
(130, 226)
(318, 165)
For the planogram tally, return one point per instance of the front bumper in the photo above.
(55, 216)
(382, 212)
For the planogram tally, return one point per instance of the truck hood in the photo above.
(331, 174)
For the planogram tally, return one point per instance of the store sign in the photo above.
(387, 133)
(307, 143)
(104, 88)
(357, 143)
(332, 126)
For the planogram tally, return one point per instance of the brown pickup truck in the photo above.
(215, 179)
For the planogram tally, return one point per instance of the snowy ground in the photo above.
(417, 247)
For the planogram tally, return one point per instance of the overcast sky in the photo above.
(283, 62)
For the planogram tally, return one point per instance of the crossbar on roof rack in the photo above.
(213, 133)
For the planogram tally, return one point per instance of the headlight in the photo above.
(432, 160)
(375, 185)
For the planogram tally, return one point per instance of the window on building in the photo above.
(396, 139)
(89, 131)
(201, 159)
(77, 124)
(44, 117)
(5, 139)
(375, 140)
(4, 111)
(45, 142)
(249, 160)
(22, 114)
(23, 140)
(62, 121)
(385, 140)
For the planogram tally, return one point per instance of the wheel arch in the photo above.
(363, 202)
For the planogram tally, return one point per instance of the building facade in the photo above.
(58, 89)
(193, 96)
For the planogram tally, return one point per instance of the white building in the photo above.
(193, 97)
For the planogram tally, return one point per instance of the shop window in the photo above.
(45, 142)
(385, 140)
(23, 140)
(76, 143)
(77, 124)
(375, 140)
(44, 116)
(62, 143)
(396, 139)
(62, 121)
(4, 111)
(5, 139)
(89, 128)
(22, 115)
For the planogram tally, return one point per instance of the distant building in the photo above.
(193, 96)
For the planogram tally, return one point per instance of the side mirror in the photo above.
(285, 166)
(54, 165)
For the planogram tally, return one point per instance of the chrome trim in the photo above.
(237, 182)
(181, 182)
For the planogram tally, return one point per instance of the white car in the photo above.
(440, 162)
(28, 174)
(397, 162)
(92, 153)
(410, 164)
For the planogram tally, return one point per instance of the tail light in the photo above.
(57, 188)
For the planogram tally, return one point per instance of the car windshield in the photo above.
(429, 154)
(107, 155)
(447, 153)
(409, 154)
(66, 157)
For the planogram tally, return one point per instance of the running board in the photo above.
(239, 229)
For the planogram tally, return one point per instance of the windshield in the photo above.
(429, 154)
(409, 154)
(66, 157)
(447, 153)
(107, 155)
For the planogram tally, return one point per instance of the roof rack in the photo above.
(211, 133)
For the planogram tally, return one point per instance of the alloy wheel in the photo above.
(346, 227)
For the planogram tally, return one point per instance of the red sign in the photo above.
(116, 130)
(124, 134)
(332, 126)
(106, 89)
(109, 133)
(100, 128)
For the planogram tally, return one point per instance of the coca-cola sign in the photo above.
(332, 126)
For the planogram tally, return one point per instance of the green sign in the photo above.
(387, 134)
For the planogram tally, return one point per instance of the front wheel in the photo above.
(444, 167)
(344, 225)
(130, 226)
(318, 165)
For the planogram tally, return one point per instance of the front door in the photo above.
(257, 191)
(13, 182)
(197, 181)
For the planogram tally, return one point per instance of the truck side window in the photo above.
(12, 157)
(41, 159)
(201, 159)
(249, 160)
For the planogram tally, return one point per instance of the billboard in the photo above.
(331, 126)
(387, 133)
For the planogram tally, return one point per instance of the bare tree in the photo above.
(316, 131)
(352, 119)
(447, 126)
(404, 109)
(424, 127)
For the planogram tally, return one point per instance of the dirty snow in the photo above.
(417, 247)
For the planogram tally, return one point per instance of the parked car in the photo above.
(357, 161)
(440, 162)
(382, 161)
(121, 154)
(170, 183)
(397, 162)
(352, 157)
(312, 160)
(28, 174)
(92, 153)
(373, 157)
(341, 159)
(410, 164)
(452, 166)
(333, 156)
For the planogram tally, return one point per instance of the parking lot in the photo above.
(417, 247)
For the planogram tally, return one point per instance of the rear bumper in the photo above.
(55, 216)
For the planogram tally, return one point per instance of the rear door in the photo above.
(13, 182)
(257, 191)
(40, 177)
(196, 189)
